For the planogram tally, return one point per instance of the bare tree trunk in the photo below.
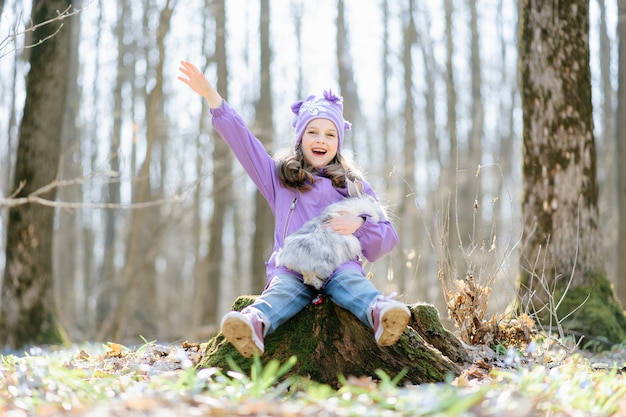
(385, 113)
(448, 179)
(139, 272)
(477, 109)
(28, 313)
(505, 152)
(208, 285)
(203, 308)
(99, 287)
(428, 286)
(147, 308)
(7, 162)
(384, 155)
(67, 240)
(468, 218)
(607, 150)
(561, 259)
(347, 83)
(297, 12)
(621, 151)
(200, 278)
(406, 209)
(264, 128)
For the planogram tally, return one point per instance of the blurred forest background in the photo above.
(157, 229)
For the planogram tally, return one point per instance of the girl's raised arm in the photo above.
(196, 80)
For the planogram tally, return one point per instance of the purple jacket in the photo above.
(291, 207)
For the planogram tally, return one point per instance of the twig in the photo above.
(60, 16)
(35, 197)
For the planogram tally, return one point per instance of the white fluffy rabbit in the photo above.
(316, 251)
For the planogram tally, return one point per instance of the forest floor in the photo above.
(161, 380)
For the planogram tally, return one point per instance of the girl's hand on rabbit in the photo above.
(345, 224)
(196, 80)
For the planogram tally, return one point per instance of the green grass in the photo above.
(153, 377)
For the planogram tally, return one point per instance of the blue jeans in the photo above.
(287, 295)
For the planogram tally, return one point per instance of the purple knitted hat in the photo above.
(327, 106)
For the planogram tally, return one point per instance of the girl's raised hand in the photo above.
(196, 80)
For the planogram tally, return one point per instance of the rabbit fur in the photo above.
(315, 251)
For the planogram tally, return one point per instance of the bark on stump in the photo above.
(330, 341)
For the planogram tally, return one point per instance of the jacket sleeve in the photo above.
(377, 239)
(250, 152)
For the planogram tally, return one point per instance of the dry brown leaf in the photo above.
(361, 382)
(114, 350)
(482, 364)
(83, 356)
(191, 346)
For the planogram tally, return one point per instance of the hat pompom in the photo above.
(331, 97)
(295, 108)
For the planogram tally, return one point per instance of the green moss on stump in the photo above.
(593, 311)
(590, 310)
(426, 322)
(329, 341)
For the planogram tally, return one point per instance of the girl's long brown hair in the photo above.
(295, 172)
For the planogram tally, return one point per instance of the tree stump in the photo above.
(330, 341)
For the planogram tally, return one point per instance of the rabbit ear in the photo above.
(355, 188)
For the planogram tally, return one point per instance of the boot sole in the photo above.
(393, 322)
(239, 334)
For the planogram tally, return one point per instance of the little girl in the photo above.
(298, 188)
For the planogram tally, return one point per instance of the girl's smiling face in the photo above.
(319, 142)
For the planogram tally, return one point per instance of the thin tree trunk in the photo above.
(385, 113)
(147, 307)
(135, 269)
(264, 128)
(505, 152)
(607, 150)
(7, 161)
(67, 240)
(562, 272)
(347, 83)
(621, 151)
(468, 218)
(208, 287)
(406, 209)
(28, 313)
(297, 11)
(200, 291)
(99, 287)
(384, 156)
(427, 287)
(447, 182)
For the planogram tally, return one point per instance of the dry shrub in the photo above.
(467, 304)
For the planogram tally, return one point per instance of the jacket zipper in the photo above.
(292, 208)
